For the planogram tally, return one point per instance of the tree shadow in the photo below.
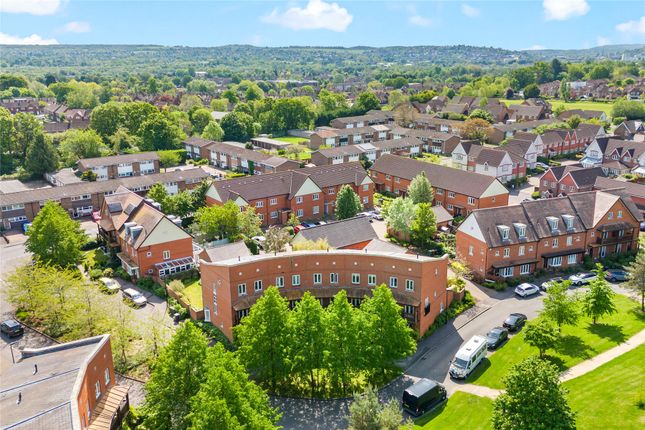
(640, 315)
(557, 361)
(609, 331)
(573, 346)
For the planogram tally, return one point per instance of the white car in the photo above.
(542, 165)
(582, 278)
(134, 297)
(526, 289)
(110, 285)
(547, 284)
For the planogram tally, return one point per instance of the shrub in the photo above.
(89, 245)
(108, 273)
(95, 274)
(176, 285)
(455, 308)
(214, 333)
(175, 308)
(149, 285)
(535, 195)
(121, 273)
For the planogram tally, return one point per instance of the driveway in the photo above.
(517, 195)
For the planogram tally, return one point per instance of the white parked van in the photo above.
(468, 357)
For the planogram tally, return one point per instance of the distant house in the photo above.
(560, 141)
(587, 133)
(435, 142)
(583, 114)
(405, 146)
(628, 129)
(270, 144)
(372, 117)
(499, 163)
(634, 190)
(500, 132)
(616, 156)
(528, 150)
(521, 113)
(563, 180)
(224, 252)
(121, 166)
(327, 136)
(430, 122)
(455, 108)
(23, 104)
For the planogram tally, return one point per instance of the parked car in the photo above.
(514, 321)
(299, 227)
(582, 278)
(642, 225)
(423, 396)
(133, 296)
(109, 285)
(542, 165)
(259, 240)
(546, 284)
(616, 275)
(496, 337)
(12, 328)
(526, 289)
(376, 214)
(468, 357)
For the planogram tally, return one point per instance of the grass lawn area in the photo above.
(587, 105)
(461, 411)
(292, 139)
(578, 343)
(193, 292)
(607, 397)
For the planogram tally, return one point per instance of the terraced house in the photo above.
(121, 166)
(616, 156)
(500, 243)
(459, 191)
(309, 193)
(230, 287)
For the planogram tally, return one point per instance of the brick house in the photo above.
(83, 198)
(562, 180)
(334, 137)
(628, 129)
(561, 141)
(617, 156)
(431, 122)
(372, 117)
(521, 112)
(121, 166)
(418, 283)
(500, 132)
(22, 104)
(528, 150)
(309, 193)
(583, 114)
(147, 242)
(553, 233)
(635, 190)
(405, 146)
(587, 133)
(70, 385)
(460, 192)
(499, 163)
(352, 233)
(434, 141)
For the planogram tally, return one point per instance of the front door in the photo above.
(603, 251)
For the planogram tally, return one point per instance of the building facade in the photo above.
(121, 166)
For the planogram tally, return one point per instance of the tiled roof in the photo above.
(340, 234)
(88, 163)
(225, 252)
(631, 188)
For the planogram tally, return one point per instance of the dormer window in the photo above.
(553, 222)
(520, 229)
(504, 231)
(568, 221)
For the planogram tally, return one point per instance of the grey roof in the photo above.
(423, 134)
(340, 234)
(197, 141)
(631, 188)
(225, 252)
(88, 163)
(537, 212)
(338, 151)
(238, 150)
(441, 214)
(517, 147)
(66, 191)
(585, 130)
(525, 125)
(490, 219)
(586, 177)
(460, 181)
(378, 245)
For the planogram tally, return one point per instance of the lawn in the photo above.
(292, 139)
(461, 411)
(587, 105)
(578, 343)
(607, 397)
(193, 292)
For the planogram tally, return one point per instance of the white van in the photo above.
(468, 357)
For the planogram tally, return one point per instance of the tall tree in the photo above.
(263, 338)
(598, 301)
(344, 340)
(424, 226)
(41, 156)
(218, 222)
(26, 128)
(237, 126)
(420, 189)
(476, 129)
(367, 101)
(227, 399)
(213, 131)
(276, 239)
(636, 281)
(175, 379)
(158, 132)
(54, 238)
(533, 399)
(200, 119)
(76, 144)
(367, 413)
(541, 334)
(400, 214)
(309, 336)
(391, 337)
(560, 307)
(106, 119)
(249, 223)
(348, 204)
(158, 193)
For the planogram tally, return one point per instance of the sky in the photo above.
(510, 24)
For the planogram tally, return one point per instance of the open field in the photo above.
(461, 411)
(602, 106)
(578, 343)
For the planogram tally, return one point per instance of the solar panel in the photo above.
(115, 207)
(129, 209)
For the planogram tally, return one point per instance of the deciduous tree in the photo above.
(249, 223)
(213, 131)
(348, 204)
(218, 222)
(598, 301)
(636, 281)
(400, 214)
(276, 239)
(344, 340)
(541, 334)
(424, 226)
(420, 189)
(560, 307)
(76, 144)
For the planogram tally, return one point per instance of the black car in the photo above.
(12, 328)
(514, 322)
(496, 337)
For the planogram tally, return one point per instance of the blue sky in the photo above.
(517, 24)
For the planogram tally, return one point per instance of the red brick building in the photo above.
(500, 243)
(460, 192)
(310, 193)
(563, 180)
(121, 166)
(231, 287)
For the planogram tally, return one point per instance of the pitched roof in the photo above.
(88, 163)
(340, 234)
(422, 134)
(524, 125)
(224, 252)
(197, 141)
(460, 181)
(238, 150)
(587, 131)
(525, 110)
(586, 177)
(517, 147)
(490, 219)
(582, 113)
(441, 214)
(631, 188)
(623, 147)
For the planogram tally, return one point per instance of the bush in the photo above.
(175, 308)
(95, 274)
(171, 157)
(453, 310)
(149, 285)
(121, 273)
(89, 245)
(214, 333)
(618, 120)
(176, 285)
(108, 273)
(535, 195)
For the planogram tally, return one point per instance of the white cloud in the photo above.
(632, 27)
(469, 10)
(317, 14)
(561, 10)
(602, 41)
(76, 27)
(34, 39)
(420, 21)
(32, 7)
(535, 48)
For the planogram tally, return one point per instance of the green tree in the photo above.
(574, 121)
(219, 105)
(629, 109)
(556, 68)
(541, 334)
(391, 337)
(344, 340)
(170, 157)
(227, 399)
(200, 119)
(565, 91)
(122, 141)
(522, 77)
(263, 338)
(237, 126)
(180, 204)
(636, 280)
(218, 222)
(560, 307)
(157, 132)
(7, 132)
(135, 114)
(213, 131)
(76, 144)
(276, 239)
(420, 189)
(26, 127)
(253, 92)
(54, 238)
(176, 379)
(531, 91)
(348, 204)
(533, 399)
(158, 193)
(367, 101)
(41, 156)
(367, 413)
(482, 114)
(309, 335)
(598, 301)
(400, 214)
(106, 119)
(249, 223)
(476, 129)
(424, 226)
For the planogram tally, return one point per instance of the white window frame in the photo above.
(333, 278)
(409, 285)
(572, 259)
(394, 282)
(257, 285)
(525, 269)
(295, 280)
(279, 281)
(166, 255)
(273, 201)
(299, 199)
(371, 279)
(317, 278)
(356, 278)
(241, 289)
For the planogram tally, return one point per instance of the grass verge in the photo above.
(461, 411)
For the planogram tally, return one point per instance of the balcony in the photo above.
(615, 239)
